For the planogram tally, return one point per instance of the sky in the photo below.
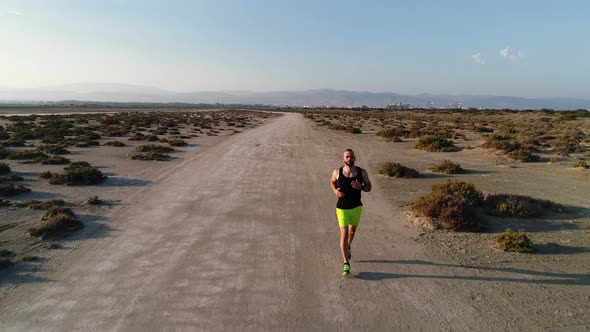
(512, 48)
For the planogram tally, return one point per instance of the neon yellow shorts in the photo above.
(349, 216)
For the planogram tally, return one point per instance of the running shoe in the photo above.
(346, 269)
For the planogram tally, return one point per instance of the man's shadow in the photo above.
(553, 278)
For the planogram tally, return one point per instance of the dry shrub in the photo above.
(150, 156)
(447, 167)
(506, 205)
(354, 130)
(452, 205)
(4, 153)
(26, 258)
(433, 143)
(523, 155)
(154, 148)
(77, 174)
(9, 189)
(56, 221)
(514, 242)
(392, 134)
(53, 149)
(397, 170)
(39, 205)
(27, 155)
(55, 160)
(176, 142)
(94, 200)
(582, 164)
(11, 178)
(115, 143)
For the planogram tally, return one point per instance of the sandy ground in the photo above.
(240, 234)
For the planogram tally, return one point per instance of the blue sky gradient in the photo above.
(408, 47)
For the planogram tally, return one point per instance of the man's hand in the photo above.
(356, 184)
(339, 193)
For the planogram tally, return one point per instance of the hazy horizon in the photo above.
(529, 49)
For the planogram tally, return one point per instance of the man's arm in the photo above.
(366, 182)
(333, 181)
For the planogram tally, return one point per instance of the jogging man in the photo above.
(347, 183)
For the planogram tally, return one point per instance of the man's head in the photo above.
(348, 157)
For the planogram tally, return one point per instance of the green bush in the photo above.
(514, 242)
(453, 204)
(447, 167)
(506, 205)
(397, 170)
(433, 143)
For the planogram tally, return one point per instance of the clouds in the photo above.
(478, 58)
(10, 12)
(514, 57)
(505, 54)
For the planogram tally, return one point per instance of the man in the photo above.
(347, 183)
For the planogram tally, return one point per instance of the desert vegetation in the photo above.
(78, 173)
(56, 221)
(397, 170)
(524, 136)
(457, 204)
(451, 205)
(514, 241)
(447, 167)
(36, 148)
(504, 205)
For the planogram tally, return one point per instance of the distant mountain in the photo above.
(106, 92)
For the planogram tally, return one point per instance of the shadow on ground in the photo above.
(552, 278)
(113, 181)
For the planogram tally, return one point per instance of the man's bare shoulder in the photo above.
(335, 173)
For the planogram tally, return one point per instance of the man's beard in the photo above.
(349, 163)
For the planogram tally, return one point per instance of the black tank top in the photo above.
(352, 197)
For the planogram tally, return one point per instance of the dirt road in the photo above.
(243, 236)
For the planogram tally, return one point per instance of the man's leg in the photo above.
(351, 232)
(344, 243)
